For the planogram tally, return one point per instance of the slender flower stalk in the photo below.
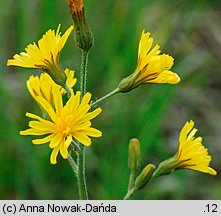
(45, 55)
(191, 154)
(152, 68)
(115, 91)
(66, 122)
(129, 194)
(84, 63)
(142, 180)
(73, 165)
(131, 181)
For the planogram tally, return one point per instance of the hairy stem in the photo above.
(82, 187)
(84, 63)
(73, 164)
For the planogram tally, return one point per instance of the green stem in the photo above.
(131, 181)
(67, 90)
(129, 194)
(82, 187)
(73, 164)
(115, 91)
(84, 62)
(132, 189)
(75, 146)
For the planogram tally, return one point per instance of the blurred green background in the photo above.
(188, 30)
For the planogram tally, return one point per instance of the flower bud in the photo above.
(134, 154)
(83, 35)
(144, 177)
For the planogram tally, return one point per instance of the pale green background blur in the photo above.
(188, 30)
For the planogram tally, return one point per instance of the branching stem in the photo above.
(129, 194)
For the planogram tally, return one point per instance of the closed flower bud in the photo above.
(134, 154)
(83, 35)
(144, 177)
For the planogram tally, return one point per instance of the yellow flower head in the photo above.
(151, 68)
(191, 154)
(67, 122)
(42, 86)
(45, 55)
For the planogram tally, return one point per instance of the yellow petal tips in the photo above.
(66, 122)
(191, 154)
(152, 68)
(44, 55)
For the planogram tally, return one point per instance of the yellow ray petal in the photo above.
(55, 141)
(85, 100)
(47, 107)
(80, 113)
(57, 98)
(43, 140)
(92, 114)
(68, 142)
(63, 150)
(72, 104)
(203, 169)
(166, 77)
(93, 132)
(183, 134)
(31, 115)
(82, 138)
(46, 126)
(64, 38)
(33, 132)
(82, 126)
(53, 158)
